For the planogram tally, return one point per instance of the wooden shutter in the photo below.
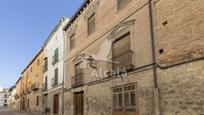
(56, 76)
(79, 103)
(122, 3)
(37, 100)
(91, 24)
(56, 104)
(77, 68)
(122, 45)
(72, 42)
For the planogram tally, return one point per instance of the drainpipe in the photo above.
(156, 88)
(64, 51)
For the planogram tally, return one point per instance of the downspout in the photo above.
(156, 88)
(64, 51)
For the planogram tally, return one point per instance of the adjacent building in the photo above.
(18, 94)
(12, 98)
(31, 85)
(4, 94)
(53, 77)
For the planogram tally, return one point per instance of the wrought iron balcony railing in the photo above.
(77, 79)
(121, 63)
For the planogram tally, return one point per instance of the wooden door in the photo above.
(79, 103)
(56, 104)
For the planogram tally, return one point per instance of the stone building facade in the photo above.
(18, 93)
(179, 27)
(158, 43)
(118, 44)
(31, 90)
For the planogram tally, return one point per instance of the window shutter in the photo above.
(122, 45)
(91, 24)
(72, 42)
(122, 3)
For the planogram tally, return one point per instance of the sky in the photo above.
(24, 26)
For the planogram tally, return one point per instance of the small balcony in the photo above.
(35, 86)
(55, 59)
(54, 81)
(77, 79)
(121, 63)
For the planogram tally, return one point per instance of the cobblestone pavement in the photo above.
(5, 111)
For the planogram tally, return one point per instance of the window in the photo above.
(31, 69)
(56, 76)
(124, 99)
(91, 24)
(55, 58)
(38, 62)
(72, 42)
(77, 79)
(122, 3)
(46, 65)
(45, 85)
(122, 54)
(117, 97)
(28, 103)
(37, 100)
(130, 100)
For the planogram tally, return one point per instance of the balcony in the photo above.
(54, 82)
(35, 86)
(55, 59)
(77, 79)
(123, 62)
(44, 87)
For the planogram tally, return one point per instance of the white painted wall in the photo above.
(54, 42)
(2, 98)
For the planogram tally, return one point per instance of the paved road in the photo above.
(5, 111)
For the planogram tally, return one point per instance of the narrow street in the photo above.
(5, 111)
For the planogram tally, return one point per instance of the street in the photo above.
(5, 111)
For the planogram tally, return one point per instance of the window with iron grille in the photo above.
(124, 99)
(122, 54)
(45, 68)
(72, 42)
(91, 24)
(77, 79)
(37, 100)
(56, 76)
(55, 58)
(122, 3)
(38, 62)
